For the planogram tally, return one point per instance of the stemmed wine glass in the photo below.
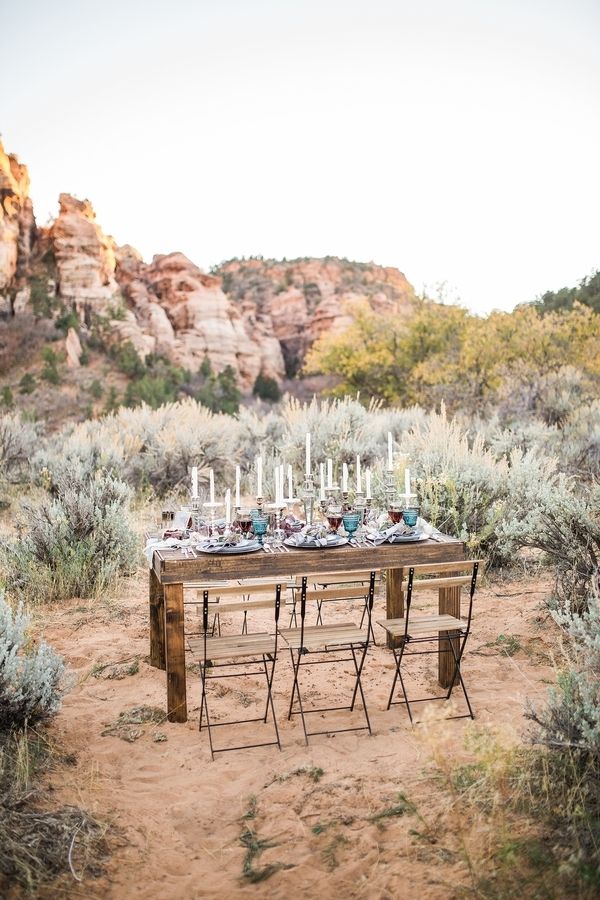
(334, 516)
(351, 520)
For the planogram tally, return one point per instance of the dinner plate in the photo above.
(407, 538)
(311, 545)
(235, 548)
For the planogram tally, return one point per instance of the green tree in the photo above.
(266, 388)
(587, 292)
(6, 397)
(50, 371)
(27, 384)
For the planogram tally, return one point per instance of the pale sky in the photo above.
(455, 139)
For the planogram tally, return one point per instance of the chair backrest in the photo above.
(273, 602)
(345, 577)
(442, 575)
(355, 592)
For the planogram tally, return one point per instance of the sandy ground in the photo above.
(178, 821)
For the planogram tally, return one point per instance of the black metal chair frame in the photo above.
(461, 634)
(267, 661)
(354, 648)
(319, 621)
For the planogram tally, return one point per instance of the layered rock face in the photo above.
(85, 258)
(17, 232)
(189, 317)
(257, 316)
(302, 299)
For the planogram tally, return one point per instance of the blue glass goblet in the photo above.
(410, 517)
(351, 522)
(259, 526)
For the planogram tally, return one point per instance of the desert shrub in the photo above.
(96, 389)
(571, 719)
(50, 371)
(43, 303)
(150, 448)
(39, 842)
(68, 319)
(565, 525)
(6, 397)
(27, 384)
(466, 488)
(75, 542)
(30, 675)
(18, 441)
(540, 805)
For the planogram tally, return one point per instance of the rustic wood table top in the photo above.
(172, 566)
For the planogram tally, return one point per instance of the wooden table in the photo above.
(171, 570)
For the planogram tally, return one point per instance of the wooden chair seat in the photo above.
(421, 625)
(234, 646)
(323, 636)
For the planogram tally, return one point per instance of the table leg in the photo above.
(449, 602)
(394, 596)
(157, 622)
(175, 653)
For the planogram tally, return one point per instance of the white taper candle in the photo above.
(211, 477)
(307, 468)
(237, 486)
(358, 478)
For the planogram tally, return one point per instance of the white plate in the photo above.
(407, 538)
(236, 548)
(312, 545)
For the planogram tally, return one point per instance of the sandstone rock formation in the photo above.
(17, 231)
(304, 298)
(257, 316)
(73, 349)
(85, 258)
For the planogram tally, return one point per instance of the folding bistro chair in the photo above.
(415, 629)
(248, 653)
(345, 642)
(335, 580)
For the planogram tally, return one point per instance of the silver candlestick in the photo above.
(390, 488)
(196, 506)
(360, 505)
(308, 498)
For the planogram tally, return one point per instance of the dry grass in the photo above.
(38, 844)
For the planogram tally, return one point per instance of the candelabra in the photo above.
(308, 498)
(260, 505)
